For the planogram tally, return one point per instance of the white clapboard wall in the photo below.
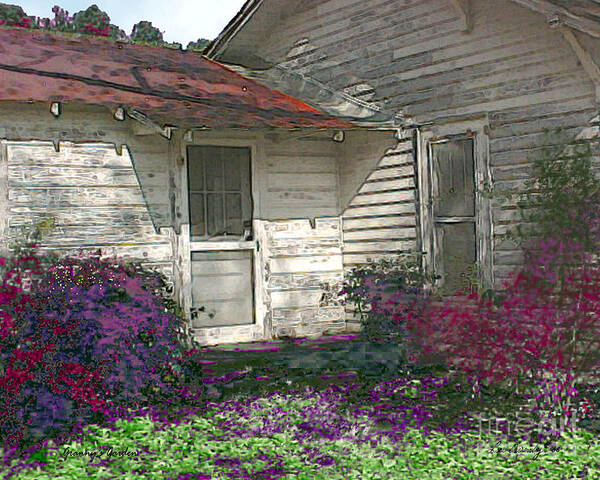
(511, 67)
(93, 195)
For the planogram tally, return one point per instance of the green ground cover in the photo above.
(343, 425)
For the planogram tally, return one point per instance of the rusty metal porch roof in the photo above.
(171, 87)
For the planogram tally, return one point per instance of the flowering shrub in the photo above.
(94, 21)
(91, 21)
(86, 335)
(14, 16)
(544, 323)
(387, 293)
(144, 32)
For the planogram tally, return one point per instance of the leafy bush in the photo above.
(14, 16)
(542, 330)
(84, 334)
(198, 45)
(386, 293)
(92, 21)
(144, 32)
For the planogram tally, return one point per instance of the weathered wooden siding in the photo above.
(151, 153)
(297, 227)
(93, 195)
(298, 177)
(298, 260)
(379, 216)
(378, 195)
(511, 67)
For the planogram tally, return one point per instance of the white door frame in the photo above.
(227, 334)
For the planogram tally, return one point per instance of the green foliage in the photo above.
(562, 187)
(144, 32)
(14, 16)
(387, 292)
(198, 45)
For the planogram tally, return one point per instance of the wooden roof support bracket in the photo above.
(463, 8)
(587, 62)
(144, 120)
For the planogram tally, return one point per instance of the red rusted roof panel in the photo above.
(169, 86)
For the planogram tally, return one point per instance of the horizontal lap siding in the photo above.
(298, 179)
(380, 220)
(511, 67)
(94, 196)
(298, 260)
(298, 184)
(516, 140)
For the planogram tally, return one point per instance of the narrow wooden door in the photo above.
(220, 209)
(454, 213)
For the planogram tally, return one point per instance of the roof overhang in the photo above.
(232, 28)
(558, 13)
(168, 86)
(576, 20)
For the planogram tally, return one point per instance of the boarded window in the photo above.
(219, 191)
(454, 221)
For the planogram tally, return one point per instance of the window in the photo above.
(219, 192)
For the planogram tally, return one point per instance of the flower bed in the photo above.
(307, 434)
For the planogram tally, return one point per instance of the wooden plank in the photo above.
(69, 157)
(301, 229)
(352, 260)
(76, 196)
(310, 164)
(514, 258)
(531, 123)
(383, 246)
(99, 235)
(4, 213)
(234, 312)
(301, 182)
(387, 209)
(289, 210)
(146, 251)
(313, 263)
(390, 173)
(509, 65)
(386, 197)
(45, 176)
(511, 89)
(379, 233)
(89, 216)
(403, 161)
(530, 140)
(392, 184)
(296, 298)
(469, 83)
(515, 115)
(391, 221)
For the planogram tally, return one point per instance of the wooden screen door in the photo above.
(220, 206)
